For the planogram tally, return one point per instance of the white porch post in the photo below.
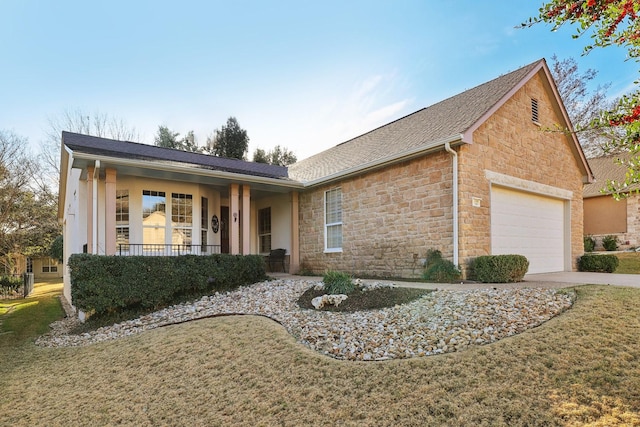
(110, 212)
(90, 212)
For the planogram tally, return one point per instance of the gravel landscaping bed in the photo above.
(439, 322)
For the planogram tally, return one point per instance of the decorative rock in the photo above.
(319, 302)
(439, 322)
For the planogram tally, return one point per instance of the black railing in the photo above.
(159, 249)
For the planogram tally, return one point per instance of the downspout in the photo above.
(96, 175)
(447, 147)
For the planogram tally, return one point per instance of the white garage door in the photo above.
(530, 225)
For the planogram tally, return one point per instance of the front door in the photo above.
(224, 229)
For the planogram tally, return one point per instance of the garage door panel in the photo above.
(529, 225)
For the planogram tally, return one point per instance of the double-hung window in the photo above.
(204, 223)
(181, 218)
(154, 218)
(333, 220)
(122, 218)
(264, 229)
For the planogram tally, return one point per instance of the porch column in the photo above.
(246, 220)
(234, 229)
(110, 212)
(90, 213)
(294, 255)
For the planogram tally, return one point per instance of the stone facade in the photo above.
(510, 143)
(391, 217)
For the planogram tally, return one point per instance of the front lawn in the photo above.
(629, 263)
(580, 368)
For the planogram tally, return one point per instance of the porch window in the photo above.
(153, 217)
(181, 218)
(122, 217)
(333, 220)
(264, 229)
(204, 222)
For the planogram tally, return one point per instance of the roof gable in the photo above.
(452, 120)
(94, 145)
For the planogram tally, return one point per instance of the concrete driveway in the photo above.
(584, 278)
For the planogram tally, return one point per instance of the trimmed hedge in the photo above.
(104, 284)
(598, 263)
(500, 268)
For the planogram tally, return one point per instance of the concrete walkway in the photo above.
(543, 280)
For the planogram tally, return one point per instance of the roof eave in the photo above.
(189, 169)
(386, 161)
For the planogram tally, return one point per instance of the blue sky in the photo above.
(304, 75)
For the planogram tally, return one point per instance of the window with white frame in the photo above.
(122, 217)
(333, 220)
(49, 266)
(153, 217)
(181, 218)
(264, 229)
(204, 222)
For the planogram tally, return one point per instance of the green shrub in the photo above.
(589, 243)
(336, 282)
(105, 284)
(10, 283)
(598, 263)
(500, 268)
(610, 243)
(438, 269)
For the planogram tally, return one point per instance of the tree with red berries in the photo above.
(609, 23)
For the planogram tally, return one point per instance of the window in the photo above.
(534, 110)
(153, 217)
(333, 220)
(264, 229)
(181, 218)
(49, 266)
(204, 222)
(122, 217)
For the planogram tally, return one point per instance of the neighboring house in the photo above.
(45, 268)
(475, 174)
(604, 215)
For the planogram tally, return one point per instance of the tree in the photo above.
(229, 141)
(78, 121)
(609, 23)
(582, 105)
(28, 212)
(278, 156)
(168, 139)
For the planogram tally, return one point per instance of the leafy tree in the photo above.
(229, 141)
(28, 212)
(56, 250)
(582, 105)
(168, 139)
(609, 23)
(260, 156)
(278, 156)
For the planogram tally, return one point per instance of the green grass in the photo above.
(24, 320)
(580, 368)
(629, 263)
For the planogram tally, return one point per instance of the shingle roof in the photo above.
(446, 119)
(132, 150)
(606, 168)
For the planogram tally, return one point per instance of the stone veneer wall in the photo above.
(510, 143)
(391, 217)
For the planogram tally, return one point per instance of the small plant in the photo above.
(589, 243)
(437, 269)
(336, 283)
(598, 263)
(610, 243)
(500, 268)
